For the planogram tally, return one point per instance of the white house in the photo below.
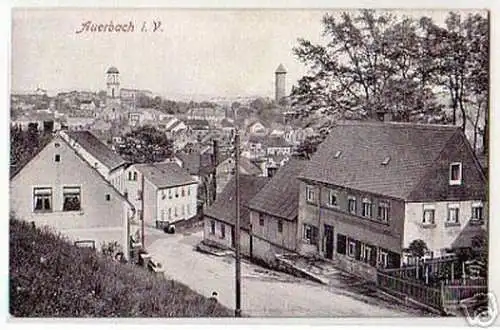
(161, 192)
(59, 189)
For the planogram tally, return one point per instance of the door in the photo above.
(329, 242)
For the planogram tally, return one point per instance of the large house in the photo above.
(108, 163)
(220, 218)
(373, 188)
(274, 212)
(60, 189)
(161, 192)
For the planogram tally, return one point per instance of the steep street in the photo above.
(264, 292)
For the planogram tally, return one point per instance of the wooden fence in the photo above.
(453, 294)
(422, 294)
(437, 297)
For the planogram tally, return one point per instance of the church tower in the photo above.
(113, 108)
(280, 82)
(113, 83)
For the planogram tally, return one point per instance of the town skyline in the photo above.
(183, 59)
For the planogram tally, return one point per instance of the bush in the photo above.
(50, 277)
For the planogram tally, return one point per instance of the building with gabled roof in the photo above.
(98, 155)
(161, 192)
(373, 188)
(58, 188)
(219, 218)
(274, 212)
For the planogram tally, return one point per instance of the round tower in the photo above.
(280, 82)
(113, 83)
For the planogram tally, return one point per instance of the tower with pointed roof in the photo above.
(113, 83)
(112, 110)
(280, 82)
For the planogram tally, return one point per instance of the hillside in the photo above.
(49, 277)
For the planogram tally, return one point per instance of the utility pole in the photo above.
(237, 311)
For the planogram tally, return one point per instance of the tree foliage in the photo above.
(146, 144)
(374, 62)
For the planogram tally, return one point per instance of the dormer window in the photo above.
(455, 173)
(338, 154)
(386, 160)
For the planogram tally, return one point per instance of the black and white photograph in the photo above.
(250, 163)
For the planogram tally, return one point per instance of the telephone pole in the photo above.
(237, 311)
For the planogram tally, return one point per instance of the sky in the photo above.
(224, 53)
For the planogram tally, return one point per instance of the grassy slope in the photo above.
(49, 277)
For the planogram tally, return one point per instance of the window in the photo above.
(366, 253)
(135, 176)
(310, 194)
(222, 231)
(477, 211)
(452, 214)
(332, 198)
(182, 192)
(382, 259)
(341, 244)
(351, 204)
(182, 210)
(169, 213)
(429, 214)
(367, 208)
(175, 211)
(170, 194)
(71, 199)
(108, 197)
(129, 176)
(188, 191)
(57, 158)
(139, 195)
(188, 209)
(261, 219)
(351, 248)
(163, 196)
(176, 192)
(310, 234)
(383, 211)
(455, 173)
(280, 226)
(42, 199)
(212, 226)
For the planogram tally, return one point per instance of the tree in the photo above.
(417, 249)
(370, 64)
(145, 145)
(376, 62)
